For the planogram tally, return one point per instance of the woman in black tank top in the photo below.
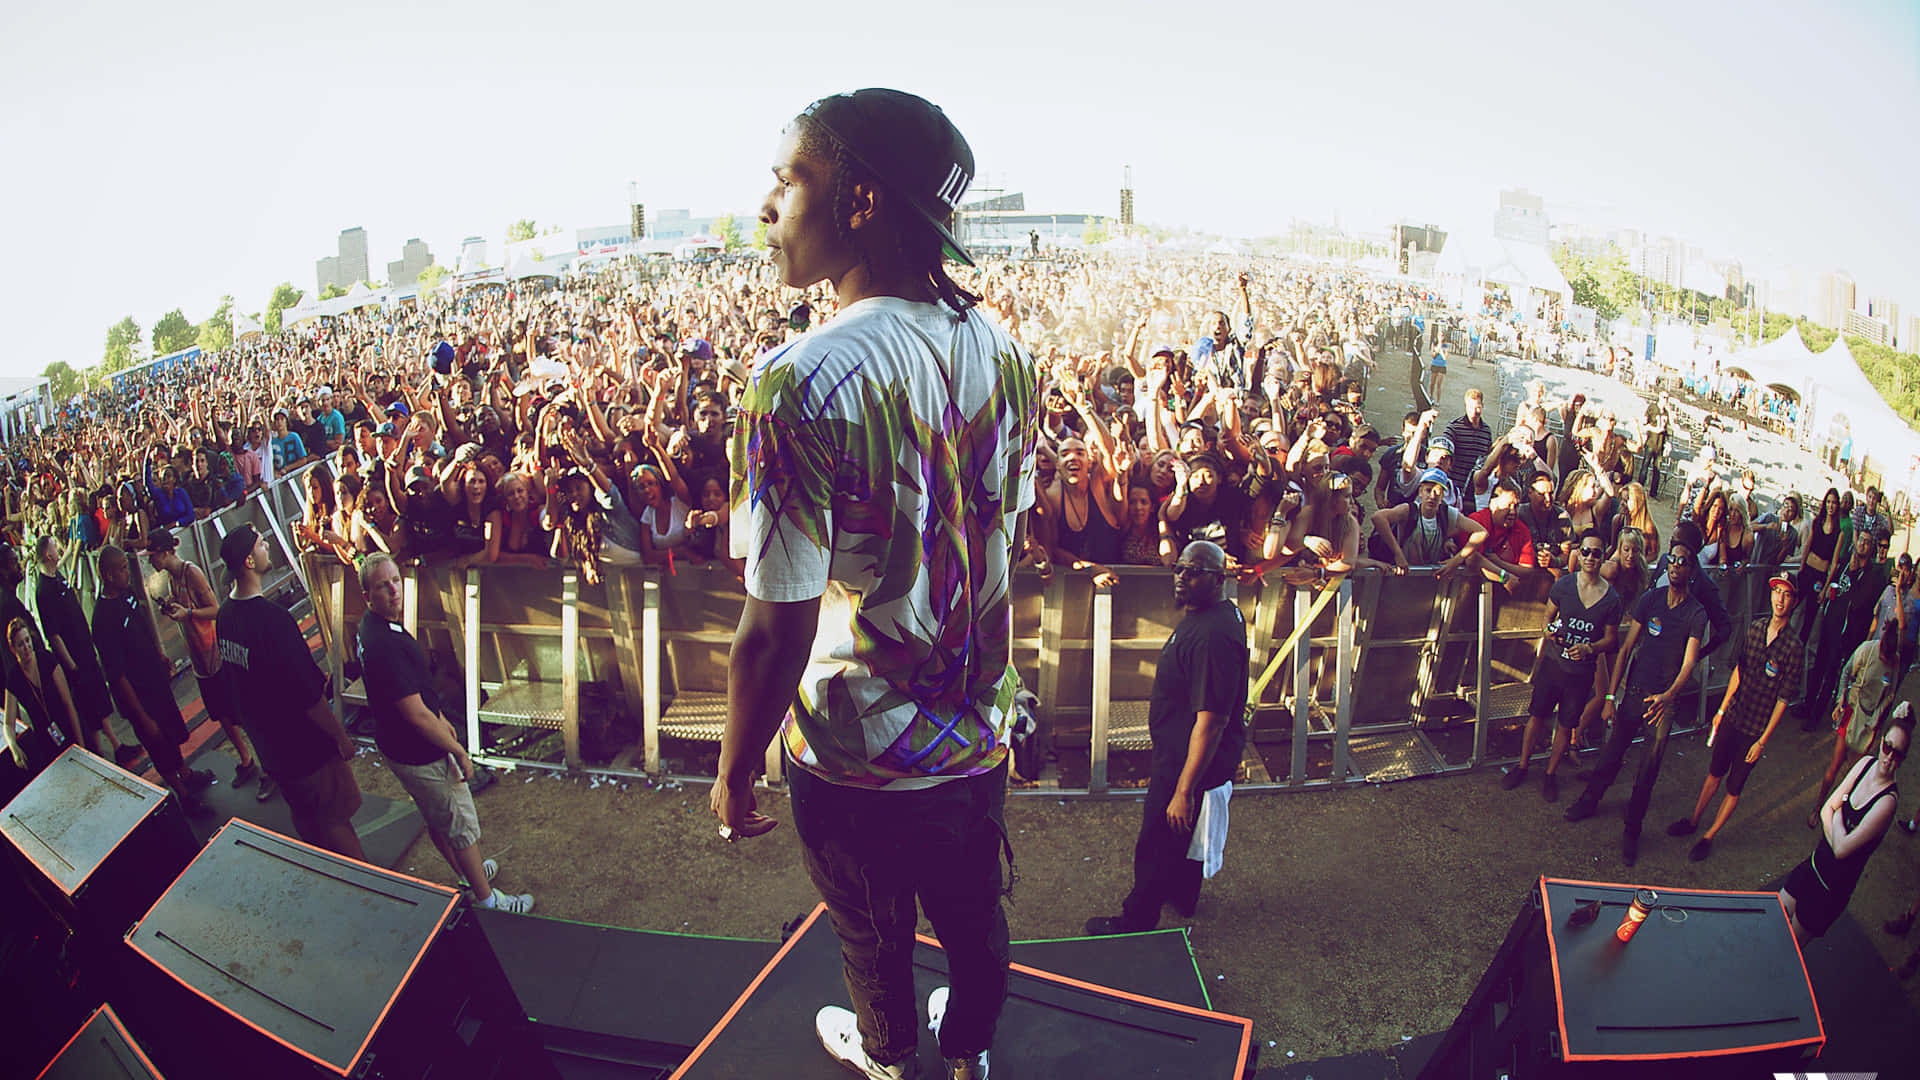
(1852, 822)
(1817, 566)
(1088, 521)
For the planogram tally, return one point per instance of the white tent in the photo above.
(694, 247)
(1678, 348)
(1502, 261)
(245, 329)
(301, 312)
(1783, 365)
(530, 267)
(1844, 403)
(360, 296)
(489, 276)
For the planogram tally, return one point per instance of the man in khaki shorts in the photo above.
(419, 743)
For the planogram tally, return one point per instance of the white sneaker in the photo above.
(839, 1032)
(510, 903)
(960, 1068)
(936, 1009)
(489, 868)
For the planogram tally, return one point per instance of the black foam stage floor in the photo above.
(387, 827)
(633, 1004)
(1053, 1025)
(633, 999)
(1869, 1025)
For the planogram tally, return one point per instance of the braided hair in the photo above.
(917, 245)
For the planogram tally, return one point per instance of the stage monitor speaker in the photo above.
(96, 843)
(1711, 985)
(270, 957)
(101, 1048)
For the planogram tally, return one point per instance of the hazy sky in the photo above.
(159, 156)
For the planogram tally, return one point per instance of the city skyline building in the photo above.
(1861, 325)
(347, 265)
(1833, 297)
(1884, 309)
(405, 271)
(1661, 260)
(1522, 216)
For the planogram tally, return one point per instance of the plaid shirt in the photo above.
(1767, 674)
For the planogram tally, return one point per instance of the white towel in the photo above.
(1209, 845)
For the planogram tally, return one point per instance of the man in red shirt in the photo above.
(1508, 550)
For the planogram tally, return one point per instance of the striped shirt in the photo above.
(1471, 443)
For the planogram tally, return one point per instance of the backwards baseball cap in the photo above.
(908, 144)
(1440, 442)
(1435, 476)
(1782, 580)
(700, 348)
(238, 545)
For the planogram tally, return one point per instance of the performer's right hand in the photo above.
(733, 803)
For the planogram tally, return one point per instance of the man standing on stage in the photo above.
(882, 466)
(192, 603)
(283, 702)
(1671, 625)
(70, 644)
(141, 678)
(1197, 722)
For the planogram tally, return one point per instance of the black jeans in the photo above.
(1162, 873)
(872, 854)
(1629, 716)
(1834, 649)
(162, 743)
(1647, 472)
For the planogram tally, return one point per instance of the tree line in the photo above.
(127, 344)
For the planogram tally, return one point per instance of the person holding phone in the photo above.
(190, 602)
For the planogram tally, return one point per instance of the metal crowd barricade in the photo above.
(199, 543)
(1424, 675)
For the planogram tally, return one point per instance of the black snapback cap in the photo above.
(908, 144)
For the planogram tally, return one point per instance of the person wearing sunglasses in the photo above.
(1583, 616)
(1763, 683)
(1853, 821)
(1197, 723)
(1663, 646)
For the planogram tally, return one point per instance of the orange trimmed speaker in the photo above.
(271, 957)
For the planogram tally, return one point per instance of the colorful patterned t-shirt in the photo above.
(879, 463)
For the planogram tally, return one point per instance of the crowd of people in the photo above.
(591, 424)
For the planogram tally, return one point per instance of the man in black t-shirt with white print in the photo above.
(283, 702)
